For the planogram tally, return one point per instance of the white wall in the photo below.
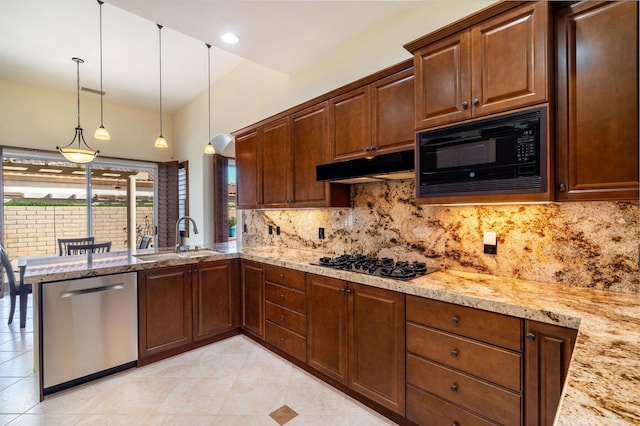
(41, 118)
(252, 92)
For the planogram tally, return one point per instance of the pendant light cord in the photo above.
(160, 44)
(77, 61)
(101, 91)
(209, 81)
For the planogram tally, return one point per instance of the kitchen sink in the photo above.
(158, 257)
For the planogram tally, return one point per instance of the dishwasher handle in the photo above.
(101, 289)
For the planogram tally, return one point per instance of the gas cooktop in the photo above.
(382, 267)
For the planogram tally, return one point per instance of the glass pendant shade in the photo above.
(102, 134)
(83, 153)
(161, 142)
(209, 149)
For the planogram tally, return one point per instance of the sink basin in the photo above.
(197, 253)
(157, 257)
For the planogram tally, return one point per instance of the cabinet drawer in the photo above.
(284, 296)
(286, 318)
(481, 397)
(498, 329)
(284, 276)
(288, 341)
(487, 362)
(424, 408)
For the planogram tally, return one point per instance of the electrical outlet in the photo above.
(270, 230)
(277, 230)
(490, 243)
(321, 233)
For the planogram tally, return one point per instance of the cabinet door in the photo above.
(215, 299)
(350, 124)
(310, 148)
(248, 179)
(548, 351)
(164, 297)
(377, 339)
(253, 297)
(597, 101)
(442, 86)
(510, 60)
(277, 166)
(392, 112)
(327, 327)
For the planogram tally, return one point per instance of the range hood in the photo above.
(397, 165)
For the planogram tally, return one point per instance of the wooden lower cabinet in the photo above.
(252, 284)
(548, 350)
(181, 306)
(165, 310)
(356, 336)
(216, 300)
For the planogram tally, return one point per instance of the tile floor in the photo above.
(232, 382)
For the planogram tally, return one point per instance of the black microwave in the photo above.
(498, 155)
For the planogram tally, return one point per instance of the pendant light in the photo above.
(161, 142)
(101, 133)
(209, 149)
(79, 154)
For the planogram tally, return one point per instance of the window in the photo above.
(183, 195)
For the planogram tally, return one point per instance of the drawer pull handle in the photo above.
(282, 317)
(531, 336)
(454, 388)
(454, 353)
(455, 319)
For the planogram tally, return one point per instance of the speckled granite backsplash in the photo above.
(588, 244)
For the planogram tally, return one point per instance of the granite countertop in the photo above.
(603, 384)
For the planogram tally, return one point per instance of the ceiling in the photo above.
(38, 38)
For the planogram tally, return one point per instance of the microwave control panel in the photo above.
(526, 146)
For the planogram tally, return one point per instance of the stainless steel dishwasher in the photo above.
(89, 329)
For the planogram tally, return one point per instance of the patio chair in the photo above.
(65, 243)
(77, 249)
(15, 289)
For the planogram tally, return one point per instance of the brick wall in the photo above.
(34, 230)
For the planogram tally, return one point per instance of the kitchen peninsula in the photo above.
(602, 382)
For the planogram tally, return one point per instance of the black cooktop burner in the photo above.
(384, 267)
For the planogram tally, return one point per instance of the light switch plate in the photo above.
(490, 241)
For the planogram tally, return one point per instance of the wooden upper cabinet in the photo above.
(372, 119)
(277, 169)
(510, 60)
(248, 163)
(498, 64)
(597, 101)
(392, 112)
(443, 72)
(350, 124)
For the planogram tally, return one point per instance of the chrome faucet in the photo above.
(178, 246)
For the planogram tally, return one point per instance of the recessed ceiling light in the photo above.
(230, 38)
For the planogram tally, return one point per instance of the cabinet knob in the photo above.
(464, 104)
(281, 276)
(282, 340)
(454, 353)
(367, 149)
(455, 424)
(372, 148)
(475, 102)
(531, 337)
(343, 290)
(454, 388)
(562, 187)
(348, 291)
(282, 296)
(282, 317)
(455, 319)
